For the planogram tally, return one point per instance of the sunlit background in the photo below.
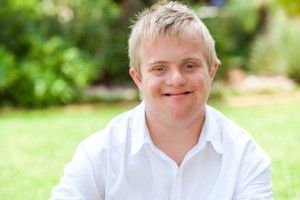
(64, 75)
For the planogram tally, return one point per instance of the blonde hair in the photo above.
(168, 19)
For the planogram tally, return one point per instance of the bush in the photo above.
(277, 50)
(293, 51)
(58, 72)
(52, 73)
(234, 28)
(49, 49)
(8, 70)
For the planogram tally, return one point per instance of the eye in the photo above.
(159, 70)
(189, 66)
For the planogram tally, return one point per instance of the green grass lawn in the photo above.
(35, 145)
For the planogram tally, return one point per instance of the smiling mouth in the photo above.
(176, 94)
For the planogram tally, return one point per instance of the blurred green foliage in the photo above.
(234, 29)
(260, 37)
(291, 6)
(277, 49)
(52, 49)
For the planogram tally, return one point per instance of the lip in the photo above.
(175, 94)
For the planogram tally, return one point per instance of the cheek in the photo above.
(154, 87)
(201, 80)
(151, 87)
(206, 78)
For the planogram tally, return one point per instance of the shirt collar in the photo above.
(139, 130)
(140, 135)
(210, 131)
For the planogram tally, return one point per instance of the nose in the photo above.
(176, 78)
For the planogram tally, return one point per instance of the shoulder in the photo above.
(229, 130)
(235, 139)
(87, 173)
(115, 134)
(242, 159)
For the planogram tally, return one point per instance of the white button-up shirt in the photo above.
(122, 163)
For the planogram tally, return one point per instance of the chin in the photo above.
(181, 113)
(186, 112)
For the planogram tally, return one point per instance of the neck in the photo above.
(175, 137)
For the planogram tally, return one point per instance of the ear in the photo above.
(135, 77)
(213, 71)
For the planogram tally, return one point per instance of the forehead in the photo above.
(171, 48)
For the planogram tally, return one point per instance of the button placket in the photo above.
(177, 184)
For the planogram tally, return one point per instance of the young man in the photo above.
(171, 146)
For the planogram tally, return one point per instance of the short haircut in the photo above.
(168, 19)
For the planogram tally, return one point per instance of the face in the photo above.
(174, 77)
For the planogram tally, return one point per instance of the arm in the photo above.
(254, 180)
(79, 181)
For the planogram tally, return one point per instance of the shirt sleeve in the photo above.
(79, 181)
(254, 180)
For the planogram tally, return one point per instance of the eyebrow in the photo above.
(157, 62)
(182, 61)
(192, 59)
